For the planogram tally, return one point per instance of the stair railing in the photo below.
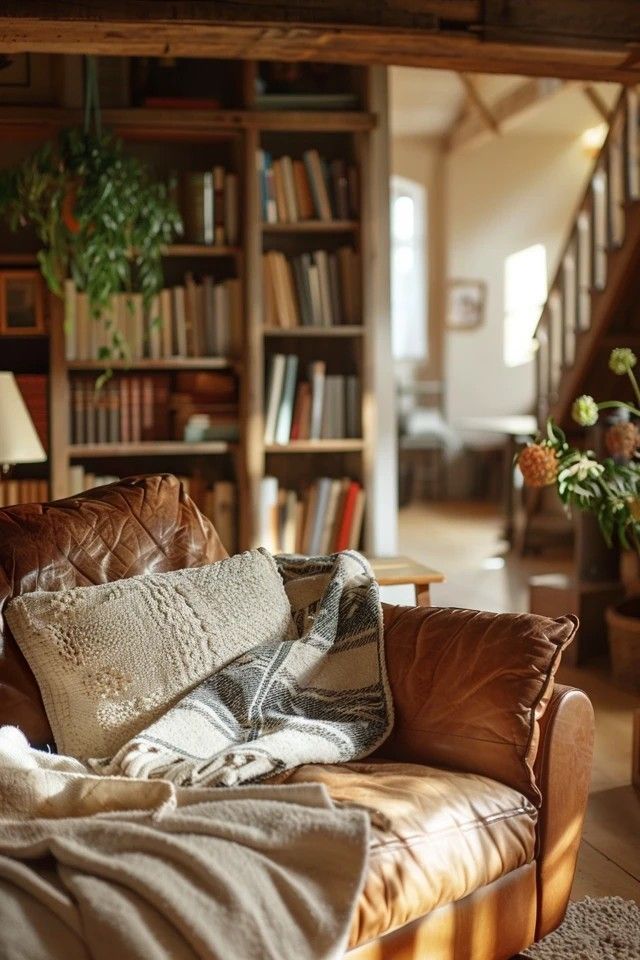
(598, 227)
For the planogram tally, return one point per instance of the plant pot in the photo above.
(623, 629)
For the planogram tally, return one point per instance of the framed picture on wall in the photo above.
(465, 304)
(21, 303)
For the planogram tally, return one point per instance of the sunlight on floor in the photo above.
(464, 541)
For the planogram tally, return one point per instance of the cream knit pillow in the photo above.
(110, 659)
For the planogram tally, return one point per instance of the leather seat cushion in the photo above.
(446, 834)
(135, 526)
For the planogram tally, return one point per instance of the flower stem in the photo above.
(609, 404)
(634, 384)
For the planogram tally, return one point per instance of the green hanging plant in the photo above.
(100, 216)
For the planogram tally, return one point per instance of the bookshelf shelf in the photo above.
(316, 446)
(179, 363)
(312, 226)
(18, 260)
(176, 123)
(200, 250)
(149, 448)
(343, 331)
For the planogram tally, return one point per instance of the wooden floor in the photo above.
(463, 540)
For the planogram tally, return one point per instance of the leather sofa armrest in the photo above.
(563, 772)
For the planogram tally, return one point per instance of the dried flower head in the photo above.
(622, 360)
(585, 411)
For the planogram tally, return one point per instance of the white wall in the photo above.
(502, 196)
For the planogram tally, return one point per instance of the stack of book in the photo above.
(209, 207)
(324, 407)
(326, 518)
(193, 319)
(34, 388)
(318, 289)
(309, 189)
(23, 491)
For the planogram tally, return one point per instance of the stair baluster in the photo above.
(632, 168)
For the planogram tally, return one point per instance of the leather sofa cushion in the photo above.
(139, 525)
(469, 688)
(446, 835)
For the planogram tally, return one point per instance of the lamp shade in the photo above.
(19, 442)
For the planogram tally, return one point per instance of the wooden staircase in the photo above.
(599, 268)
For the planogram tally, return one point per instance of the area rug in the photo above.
(606, 928)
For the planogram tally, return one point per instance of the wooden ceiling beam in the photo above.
(468, 130)
(462, 35)
(478, 104)
(596, 101)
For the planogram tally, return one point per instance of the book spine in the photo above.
(274, 395)
(317, 377)
(285, 412)
(231, 209)
(218, 207)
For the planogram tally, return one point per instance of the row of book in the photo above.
(309, 189)
(327, 517)
(208, 203)
(318, 289)
(217, 501)
(324, 407)
(23, 491)
(134, 409)
(193, 319)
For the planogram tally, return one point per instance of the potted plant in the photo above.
(609, 488)
(100, 216)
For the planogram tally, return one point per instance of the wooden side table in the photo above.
(394, 571)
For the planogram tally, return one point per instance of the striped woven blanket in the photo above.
(318, 695)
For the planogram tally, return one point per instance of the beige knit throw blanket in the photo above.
(97, 868)
(318, 695)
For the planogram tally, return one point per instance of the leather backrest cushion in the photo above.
(135, 526)
(470, 687)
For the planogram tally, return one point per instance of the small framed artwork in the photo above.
(465, 304)
(21, 303)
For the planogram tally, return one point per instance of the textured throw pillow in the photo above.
(110, 659)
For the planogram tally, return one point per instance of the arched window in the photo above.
(408, 269)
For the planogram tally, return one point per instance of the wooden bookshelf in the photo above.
(190, 137)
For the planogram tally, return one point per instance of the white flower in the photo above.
(583, 469)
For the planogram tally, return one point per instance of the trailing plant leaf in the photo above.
(101, 218)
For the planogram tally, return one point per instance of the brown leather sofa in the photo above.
(479, 793)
